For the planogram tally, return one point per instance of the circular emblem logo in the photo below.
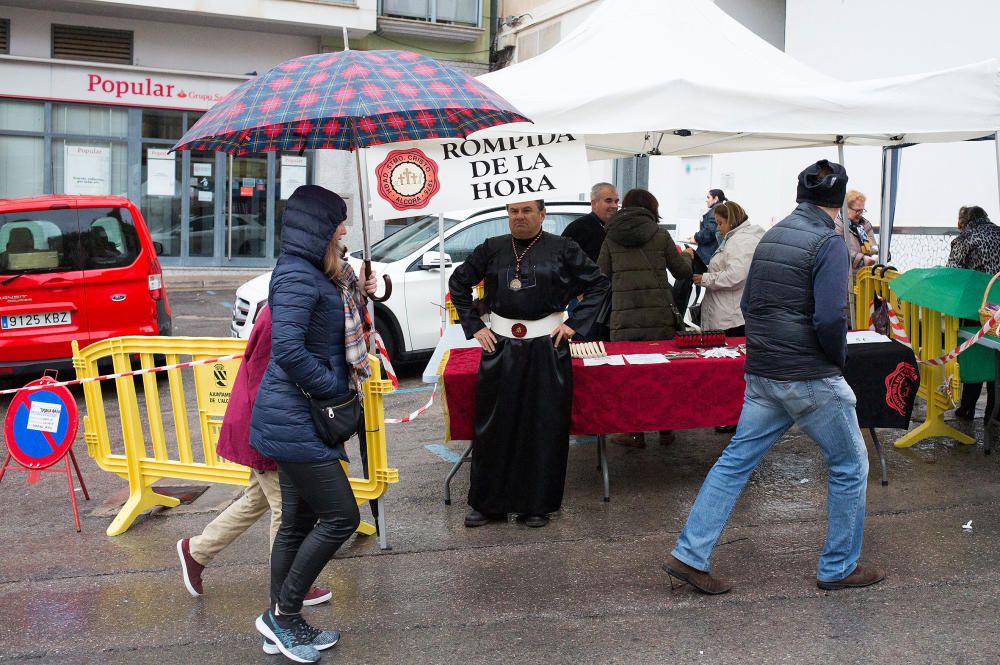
(518, 330)
(407, 179)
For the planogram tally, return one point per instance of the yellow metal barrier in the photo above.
(932, 334)
(173, 453)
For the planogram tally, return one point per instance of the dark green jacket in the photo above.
(636, 255)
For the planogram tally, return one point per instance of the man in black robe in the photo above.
(524, 389)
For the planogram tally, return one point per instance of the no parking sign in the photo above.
(41, 425)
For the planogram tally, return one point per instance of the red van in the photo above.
(74, 267)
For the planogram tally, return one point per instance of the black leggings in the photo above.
(318, 514)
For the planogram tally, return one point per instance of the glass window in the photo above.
(248, 233)
(21, 166)
(89, 167)
(201, 192)
(162, 124)
(39, 241)
(109, 237)
(89, 120)
(161, 202)
(556, 223)
(403, 243)
(460, 245)
(446, 11)
(22, 116)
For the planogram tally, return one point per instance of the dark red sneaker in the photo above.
(190, 569)
(317, 596)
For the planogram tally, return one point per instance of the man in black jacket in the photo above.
(795, 306)
(588, 231)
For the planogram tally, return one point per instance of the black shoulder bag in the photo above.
(336, 419)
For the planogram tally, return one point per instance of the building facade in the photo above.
(93, 93)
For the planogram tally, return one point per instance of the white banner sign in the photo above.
(423, 177)
(293, 174)
(88, 170)
(160, 172)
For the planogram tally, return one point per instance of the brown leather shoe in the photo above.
(699, 579)
(861, 577)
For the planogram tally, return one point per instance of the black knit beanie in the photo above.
(826, 191)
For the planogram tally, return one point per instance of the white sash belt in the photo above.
(523, 329)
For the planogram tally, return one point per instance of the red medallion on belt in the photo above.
(518, 330)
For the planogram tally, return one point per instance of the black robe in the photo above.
(524, 389)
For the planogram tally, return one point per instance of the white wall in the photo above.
(166, 45)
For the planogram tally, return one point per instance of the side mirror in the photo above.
(158, 247)
(435, 261)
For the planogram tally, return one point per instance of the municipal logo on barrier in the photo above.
(219, 372)
(41, 425)
(407, 179)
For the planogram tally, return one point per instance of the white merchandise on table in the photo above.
(866, 337)
(606, 360)
(646, 358)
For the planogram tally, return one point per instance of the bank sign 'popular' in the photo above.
(424, 177)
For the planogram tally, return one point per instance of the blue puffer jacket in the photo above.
(307, 333)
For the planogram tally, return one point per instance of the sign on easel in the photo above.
(39, 430)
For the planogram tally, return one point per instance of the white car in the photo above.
(409, 321)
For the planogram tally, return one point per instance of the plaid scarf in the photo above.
(356, 322)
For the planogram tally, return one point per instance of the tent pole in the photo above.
(996, 145)
(843, 225)
(843, 206)
(441, 264)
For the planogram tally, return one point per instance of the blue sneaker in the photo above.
(290, 635)
(322, 639)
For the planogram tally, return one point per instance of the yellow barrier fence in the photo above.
(932, 334)
(173, 452)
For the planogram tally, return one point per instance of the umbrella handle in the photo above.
(385, 278)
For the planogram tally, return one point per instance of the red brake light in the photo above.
(155, 279)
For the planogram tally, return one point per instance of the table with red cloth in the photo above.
(685, 393)
(621, 398)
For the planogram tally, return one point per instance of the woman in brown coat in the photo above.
(636, 255)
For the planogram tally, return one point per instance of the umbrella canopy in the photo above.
(347, 100)
(953, 291)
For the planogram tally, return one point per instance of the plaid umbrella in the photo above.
(348, 100)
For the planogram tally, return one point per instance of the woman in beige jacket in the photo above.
(728, 270)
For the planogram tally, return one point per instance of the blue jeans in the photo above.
(823, 409)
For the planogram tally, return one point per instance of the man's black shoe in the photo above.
(474, 518)
(535, 521)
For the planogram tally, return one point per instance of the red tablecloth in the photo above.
(681, 394)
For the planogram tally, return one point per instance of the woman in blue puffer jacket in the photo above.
(317, 346)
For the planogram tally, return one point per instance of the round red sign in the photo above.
(40, 425)
(407, 179)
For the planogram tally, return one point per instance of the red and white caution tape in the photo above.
(899, 333)
(966, 344)
(412, 416)
(386, 361)
(106, 377)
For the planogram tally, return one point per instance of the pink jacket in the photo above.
(234, 437)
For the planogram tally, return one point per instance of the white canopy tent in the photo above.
(682, 77)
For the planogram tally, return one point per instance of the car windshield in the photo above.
(409, 239)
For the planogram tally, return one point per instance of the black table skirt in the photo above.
(884, 377)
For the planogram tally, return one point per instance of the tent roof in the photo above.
(637, 71)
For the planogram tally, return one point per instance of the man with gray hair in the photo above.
(588, 231)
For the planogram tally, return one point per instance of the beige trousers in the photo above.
(261, 495)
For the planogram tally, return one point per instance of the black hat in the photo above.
(823, 183)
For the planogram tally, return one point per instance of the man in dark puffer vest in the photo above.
(795, 306)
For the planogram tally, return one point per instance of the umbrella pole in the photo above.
(844, 224)
(367, 248)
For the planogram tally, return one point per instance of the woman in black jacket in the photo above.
(317, 347)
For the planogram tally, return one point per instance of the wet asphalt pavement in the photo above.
(586, 589)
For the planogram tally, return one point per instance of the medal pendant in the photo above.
(515, 284)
